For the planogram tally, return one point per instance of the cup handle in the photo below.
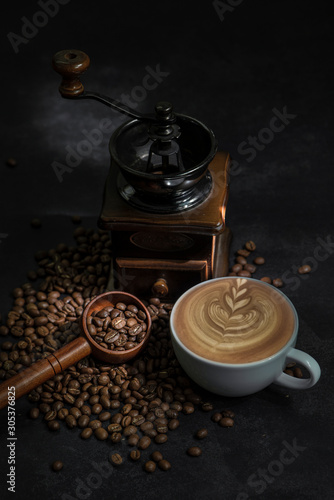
(305, 360)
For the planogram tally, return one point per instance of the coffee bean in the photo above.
(241, 260)
(34, 413)
(54, 425)
(116, 459)
(156, 456)
(135, 455)
(259, 261)
(86, 433)
(207, 407)
(226, 422)
(173, 424)
(250, 246)
(244, 274)
(161, 438)
(164, 465)
(236, 268)
(194, 451)
(297, 372)
(250, 268)
(150, 466)
(116, 437)
(304, 269)
(266, 279)
(57, 465)
(144, 443)
(133, 440)
(228, 413)
(243, 252)
(278, 282)
(201, 433)
(101, 434)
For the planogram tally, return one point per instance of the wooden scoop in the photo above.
(46, 368)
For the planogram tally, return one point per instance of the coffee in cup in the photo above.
(241, 329)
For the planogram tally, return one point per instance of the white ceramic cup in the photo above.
(229, 379)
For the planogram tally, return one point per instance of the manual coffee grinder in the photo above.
(165, 195)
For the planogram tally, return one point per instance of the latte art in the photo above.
(234, 320)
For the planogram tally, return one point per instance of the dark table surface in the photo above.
(233, 65)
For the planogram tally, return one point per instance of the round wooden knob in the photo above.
(160, 288)
(70, 64)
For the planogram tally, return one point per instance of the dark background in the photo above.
(230, 73)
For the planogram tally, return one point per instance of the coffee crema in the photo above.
(234, 320)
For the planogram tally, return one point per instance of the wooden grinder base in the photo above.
(167, 254)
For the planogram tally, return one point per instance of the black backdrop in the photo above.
(233, 65)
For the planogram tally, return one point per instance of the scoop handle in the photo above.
(43, 370)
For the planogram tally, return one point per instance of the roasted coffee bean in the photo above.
(57, 465)
(144, 443)
(104, 416)
(156, 456)
(228, 413)
(34, 413)
(243, 252)
(113, 427)
(259, 261)
(135, 455)
(150, 466)
(164, 465)
(201, 433)
(101, 434)
(244, 274)
(297, 372)
(116, 437)
(95, 424)
(161, 438)
(86, 433)
(266, 279)
(278, 282)
(194, 451)
(226, 422)
(250, 246)
(236, 268)
(207, 407)
(304, 269)
(116, 459)
(83, 421)
(241, 260)
(53, 425)
(173, 424)
(70, 421)
(133, 440)
(250, 268)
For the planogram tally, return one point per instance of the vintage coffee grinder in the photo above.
(165, 196)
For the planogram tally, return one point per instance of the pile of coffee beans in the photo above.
(245, 269)
(136, 404)
(118, 327)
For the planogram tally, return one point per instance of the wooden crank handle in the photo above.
(44, 369)
(70, 64)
